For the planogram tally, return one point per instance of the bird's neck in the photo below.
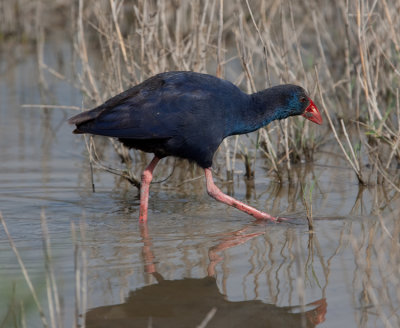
(260, 110)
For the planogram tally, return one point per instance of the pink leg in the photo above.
(217, 194)
(147, 176)
(147, 249)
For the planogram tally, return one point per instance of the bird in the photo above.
(187, 115)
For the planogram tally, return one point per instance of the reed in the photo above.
(52, 315)
(345, 53)
(258, 44)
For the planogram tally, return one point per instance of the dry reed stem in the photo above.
(80, 268)
(349, 160)
(52, 289)
(208, 318)
(77, 276)
(24, 272)
(114, 9)
(271, 151)
(84, 268)
(392, 28)
(95, 159)
(353, 154)
(219, 72)
(50, 106)
(83, 52)
(396, 144)
(23, 316)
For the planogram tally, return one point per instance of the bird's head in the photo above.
(290, 100)
(298, 103)
(275, 103)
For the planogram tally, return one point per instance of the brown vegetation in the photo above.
(346, 54)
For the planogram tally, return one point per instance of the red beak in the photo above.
(312, 113)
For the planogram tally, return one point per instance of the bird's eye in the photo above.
(303, 99)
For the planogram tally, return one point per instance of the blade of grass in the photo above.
(24, 272)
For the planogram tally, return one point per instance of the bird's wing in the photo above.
(166, 105)
(135, 113)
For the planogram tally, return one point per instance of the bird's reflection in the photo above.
(189, 302)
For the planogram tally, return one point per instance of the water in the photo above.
(196, 257)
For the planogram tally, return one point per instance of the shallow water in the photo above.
(195, 257)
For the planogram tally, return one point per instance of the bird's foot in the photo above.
(265, 216)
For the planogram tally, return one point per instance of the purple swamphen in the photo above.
(187, 115)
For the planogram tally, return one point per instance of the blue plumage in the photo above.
(187, 114)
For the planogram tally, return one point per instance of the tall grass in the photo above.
(346, 55)
(53, 315)
(349, 50)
